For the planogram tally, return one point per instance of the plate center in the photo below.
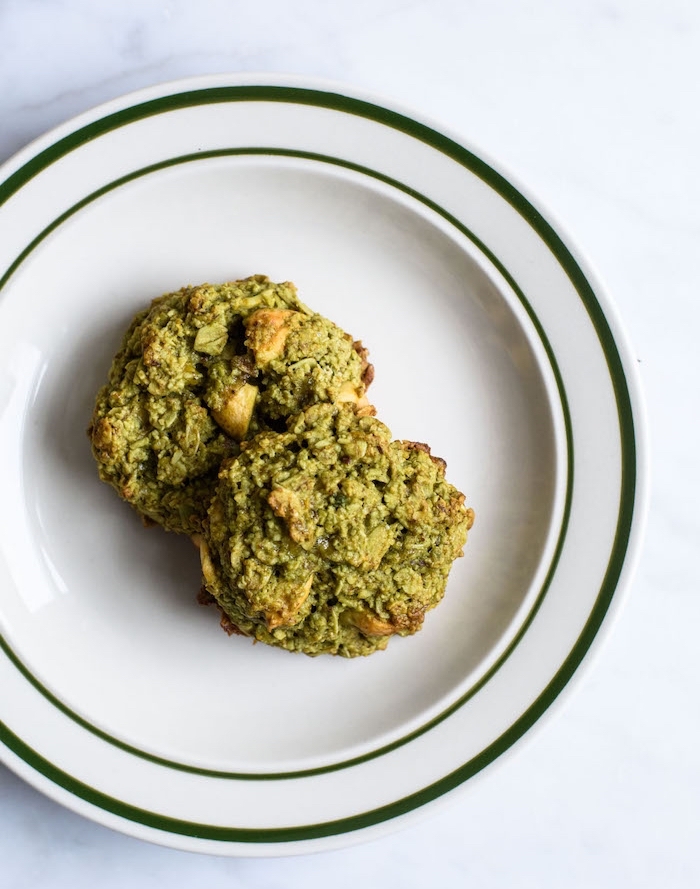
(103, 611)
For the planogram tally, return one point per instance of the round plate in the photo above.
(122, 698)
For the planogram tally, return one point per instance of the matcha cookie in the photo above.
(202, 370)
(331, 537)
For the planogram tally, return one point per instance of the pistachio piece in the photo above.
(211, 339)
(379, 540)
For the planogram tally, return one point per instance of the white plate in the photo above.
(491, 341)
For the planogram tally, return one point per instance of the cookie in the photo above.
(330, 537)
(202, 370)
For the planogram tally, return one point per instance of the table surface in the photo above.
(595, 106)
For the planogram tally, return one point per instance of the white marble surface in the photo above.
(595, 106)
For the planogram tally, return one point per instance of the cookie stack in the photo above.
(236, 415)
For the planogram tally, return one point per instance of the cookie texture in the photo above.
(202, 370)
(330, 537)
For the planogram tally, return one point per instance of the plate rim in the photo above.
(29, 161)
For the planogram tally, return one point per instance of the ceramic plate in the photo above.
(122, 698)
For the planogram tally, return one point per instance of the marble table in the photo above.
(595, 107)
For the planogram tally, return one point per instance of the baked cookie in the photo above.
(200, 371)
(331, 537)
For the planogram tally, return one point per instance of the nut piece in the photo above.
(364, 408)
(267, 332)
(208, 572)
(285, 615)
(349, 393)
(367, 371)
(289, 507)
(103, 437)
(369, 623)
(235, 414)
(211, 340)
